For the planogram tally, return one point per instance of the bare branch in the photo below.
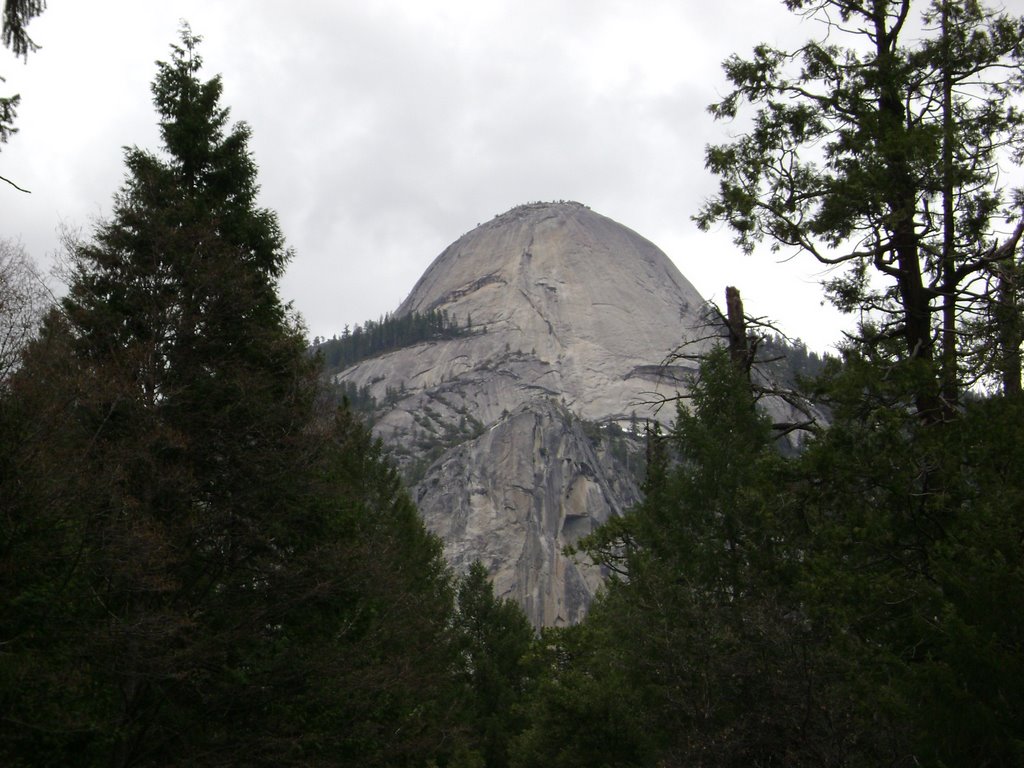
(20, 189)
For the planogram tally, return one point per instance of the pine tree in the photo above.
(883, 151)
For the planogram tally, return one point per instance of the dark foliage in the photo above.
(201, 564)
(386, 335)
(494, 639)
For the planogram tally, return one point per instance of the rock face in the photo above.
(520, 435)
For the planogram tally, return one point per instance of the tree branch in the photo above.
(26, 191)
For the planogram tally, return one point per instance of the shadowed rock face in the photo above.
(572, 315)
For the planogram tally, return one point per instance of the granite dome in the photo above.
(591, 297)
(572, 317)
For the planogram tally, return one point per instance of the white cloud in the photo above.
(385, 130)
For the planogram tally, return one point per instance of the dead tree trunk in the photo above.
(739, 342)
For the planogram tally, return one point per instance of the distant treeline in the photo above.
(389, 333)
(798, 362)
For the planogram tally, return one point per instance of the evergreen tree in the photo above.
(583, 710)
(17, 15)
(704, 627)
(494, 637)
(912, 569)
(201, 566)
(387, 334)
(886, 156)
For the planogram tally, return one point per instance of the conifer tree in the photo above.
(884, 151)
(702, 628)
(494, 637)
(205, 568)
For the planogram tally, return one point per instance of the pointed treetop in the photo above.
(194, 127)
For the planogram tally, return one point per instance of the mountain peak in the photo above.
(583, 292)
(570, 316)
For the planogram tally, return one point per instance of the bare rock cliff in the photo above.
(519, 434)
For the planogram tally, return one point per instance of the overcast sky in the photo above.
(385, 129)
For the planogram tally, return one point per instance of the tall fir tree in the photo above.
(201, 566)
